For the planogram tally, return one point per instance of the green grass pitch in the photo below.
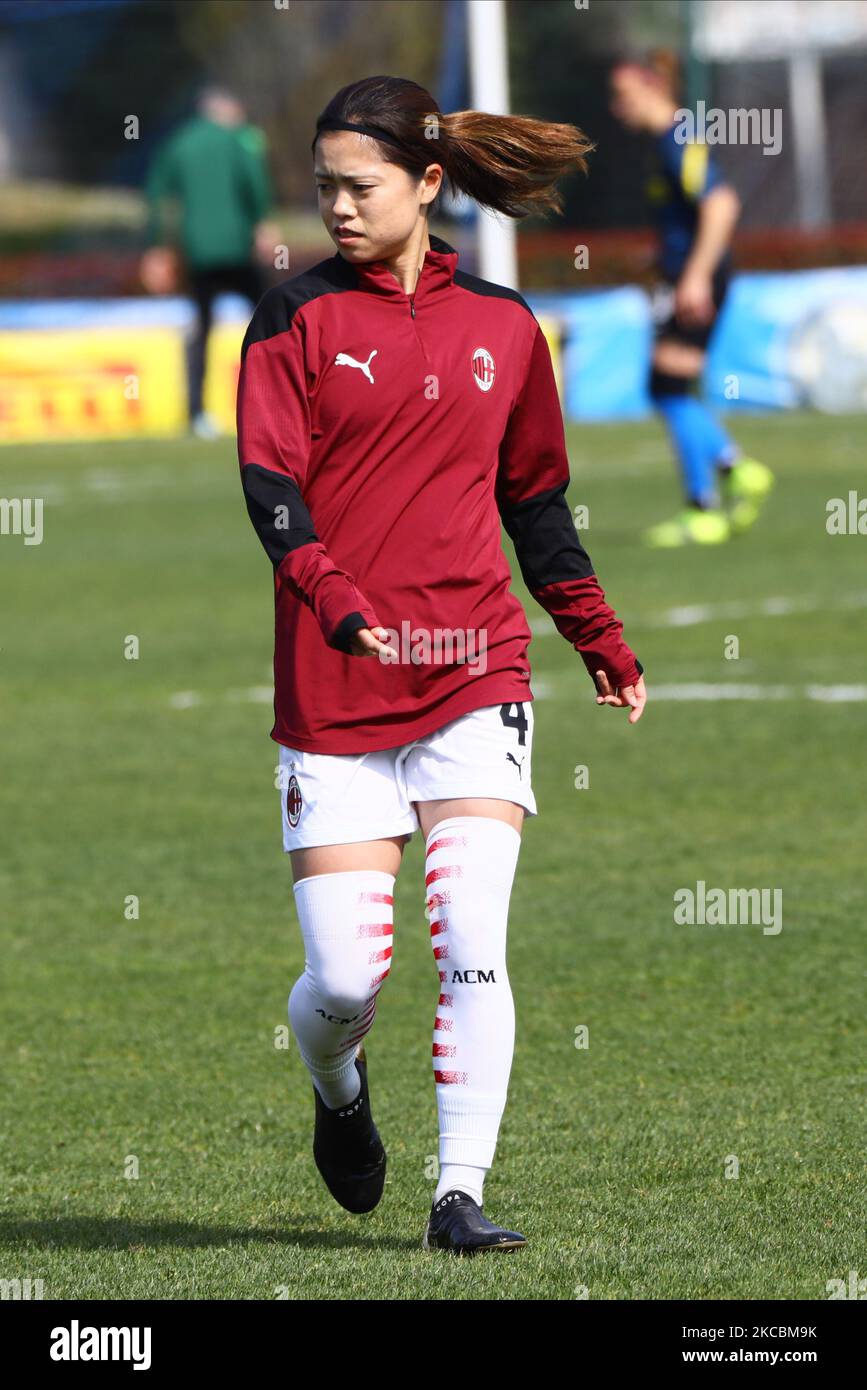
(148, 1044)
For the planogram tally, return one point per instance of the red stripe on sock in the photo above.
(375, 929)
(444, 1049)
(379, 955)
(358, 1036)
(447, 871)
(450, 1078)
(445, 841)
(443, 1025)
(375, 898)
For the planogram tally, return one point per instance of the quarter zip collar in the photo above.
(437, 272)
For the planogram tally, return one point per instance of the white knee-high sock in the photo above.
(346, 922)
(470, 866)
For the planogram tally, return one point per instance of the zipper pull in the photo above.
(412, 308)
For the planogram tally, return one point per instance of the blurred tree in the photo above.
(287, 64)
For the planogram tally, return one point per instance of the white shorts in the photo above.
(341, 798)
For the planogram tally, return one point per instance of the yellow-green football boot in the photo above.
(744, 488)
(691, 527)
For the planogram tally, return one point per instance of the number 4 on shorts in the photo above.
(515, 721)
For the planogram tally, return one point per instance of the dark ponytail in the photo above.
(508, 163)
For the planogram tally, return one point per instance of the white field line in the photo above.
(185, 699)
(52, 493)
(692, 691)
(104, 484)
(823, 694)
(252, 694)
(694, 613)
(778, 607)
(543, 689)
(546, 689)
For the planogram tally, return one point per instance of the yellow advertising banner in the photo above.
(224, 364)
(97, 383)
(551, 328)
(108, 383)
(223, 369)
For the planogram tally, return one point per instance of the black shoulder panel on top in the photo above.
(472, 283)
(547, 546)
(279, 305)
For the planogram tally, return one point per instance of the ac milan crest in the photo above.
(293, 801)
(484, 370)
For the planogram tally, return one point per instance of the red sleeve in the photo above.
(532, 478)
(273, 414)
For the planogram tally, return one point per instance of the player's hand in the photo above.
(367, 642)
(693, 298)
(159, 271)
(633, 695)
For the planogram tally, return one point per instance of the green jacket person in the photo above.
(209, 194)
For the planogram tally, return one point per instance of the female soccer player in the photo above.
(391, 410)
(696, 211)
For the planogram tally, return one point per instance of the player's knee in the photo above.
(349, 984)
(346, 922)
(341, 995)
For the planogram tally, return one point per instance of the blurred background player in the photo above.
(696, 212)
(216, 168)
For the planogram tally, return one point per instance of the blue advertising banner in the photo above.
(783, 340)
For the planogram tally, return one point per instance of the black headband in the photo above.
(374, 130)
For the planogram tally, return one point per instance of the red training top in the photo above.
(382, 438)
